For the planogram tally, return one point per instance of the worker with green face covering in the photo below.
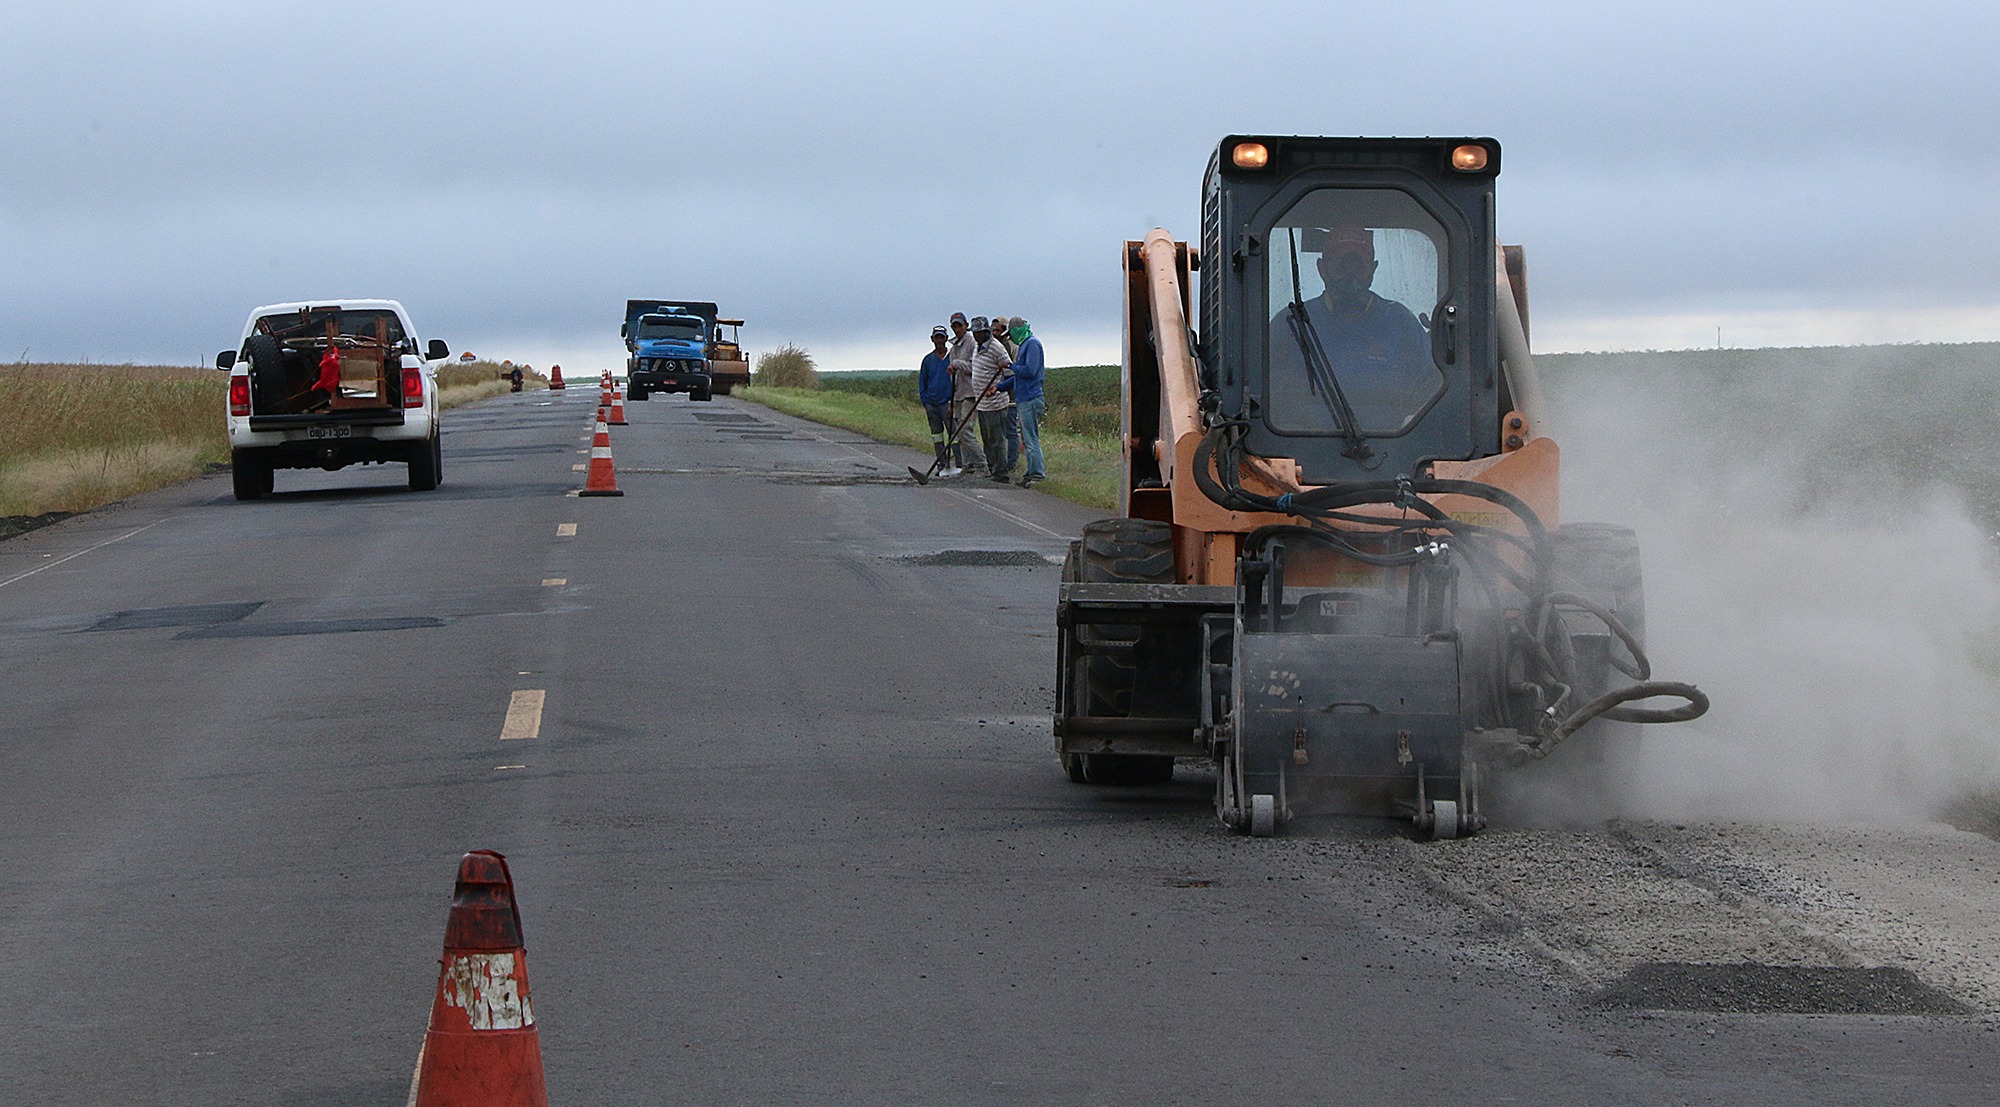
(1026, 385)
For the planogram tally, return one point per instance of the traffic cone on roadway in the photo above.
(617, 407)
(482, 1047)
(555, 379)
(602, 479)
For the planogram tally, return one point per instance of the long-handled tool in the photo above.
(950, 444)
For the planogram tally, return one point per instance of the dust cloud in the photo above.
(1817, 533)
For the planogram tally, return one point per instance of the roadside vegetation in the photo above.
(1079, 435)
(74, 437)
(77, 437)
(787, 366)
(464, 382)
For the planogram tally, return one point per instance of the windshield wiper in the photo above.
(1319, 367)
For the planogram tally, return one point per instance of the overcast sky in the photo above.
(843, 176)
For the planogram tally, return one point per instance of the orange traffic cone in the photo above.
(602, 480)
(555, 378)
(603, 435)
(482, 1046)
(618, 407)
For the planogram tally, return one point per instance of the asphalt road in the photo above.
(788, 829)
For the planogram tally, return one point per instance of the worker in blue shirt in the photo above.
(1026, 385)
(934, 392)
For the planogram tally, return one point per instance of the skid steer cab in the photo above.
(1339, 572)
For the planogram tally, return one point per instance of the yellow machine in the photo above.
(1340, 571)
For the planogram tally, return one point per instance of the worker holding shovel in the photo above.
(934, 388)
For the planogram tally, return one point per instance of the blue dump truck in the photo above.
(667, 343)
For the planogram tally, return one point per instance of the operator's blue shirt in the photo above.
(1378, 353)
(934, 380)
(1026, 383)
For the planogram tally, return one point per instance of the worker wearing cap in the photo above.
(1003, 334)
(934, 388)
(1024, 383)
(989, 365)
(1002, 327)
(1377, 351)
(964, 401)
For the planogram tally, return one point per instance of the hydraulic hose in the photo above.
(1607, 705)
(1540, 626)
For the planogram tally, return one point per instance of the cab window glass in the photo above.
(1353, 277)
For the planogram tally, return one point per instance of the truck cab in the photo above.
(669, 349)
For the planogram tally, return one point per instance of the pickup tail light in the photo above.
(239, 395)
(413, 388)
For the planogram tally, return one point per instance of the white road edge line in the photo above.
(1008, 515)
(417, 1074)
(79, 553)
(524, 715)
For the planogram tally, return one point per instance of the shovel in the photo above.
(949, 444)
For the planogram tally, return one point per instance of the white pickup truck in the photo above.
(324, 384)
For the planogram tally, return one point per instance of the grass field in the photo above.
(1818, 422)
(1079, 439)
(75, 437)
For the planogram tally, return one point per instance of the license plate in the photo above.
(329, 432)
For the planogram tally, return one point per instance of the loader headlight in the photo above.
(1250, 155)
(1470, 158)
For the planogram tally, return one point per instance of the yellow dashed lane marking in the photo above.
(524, 715)
(565, 530)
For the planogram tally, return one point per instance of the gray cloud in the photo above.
(514, 172)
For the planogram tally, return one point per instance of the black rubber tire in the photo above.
(636, 394)
(426, 465)
(1121, 551)
(269, 385)
(700, 395)
(1072, 763)
(250, 476)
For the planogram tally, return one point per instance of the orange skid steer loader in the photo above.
(1340, 572)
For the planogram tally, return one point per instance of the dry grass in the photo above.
(465, 382)
(74, 437)
(787, 366)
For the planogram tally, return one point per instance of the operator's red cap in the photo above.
(1357, 242)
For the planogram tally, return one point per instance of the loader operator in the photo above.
(1369, 349)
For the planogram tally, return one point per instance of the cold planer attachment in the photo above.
(1339, 573)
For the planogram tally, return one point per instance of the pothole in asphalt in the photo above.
(1776, 990)
(193, 615)
(728, 417)
(838, 479)
(11, 525)
(980, 558)
(285, 629)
